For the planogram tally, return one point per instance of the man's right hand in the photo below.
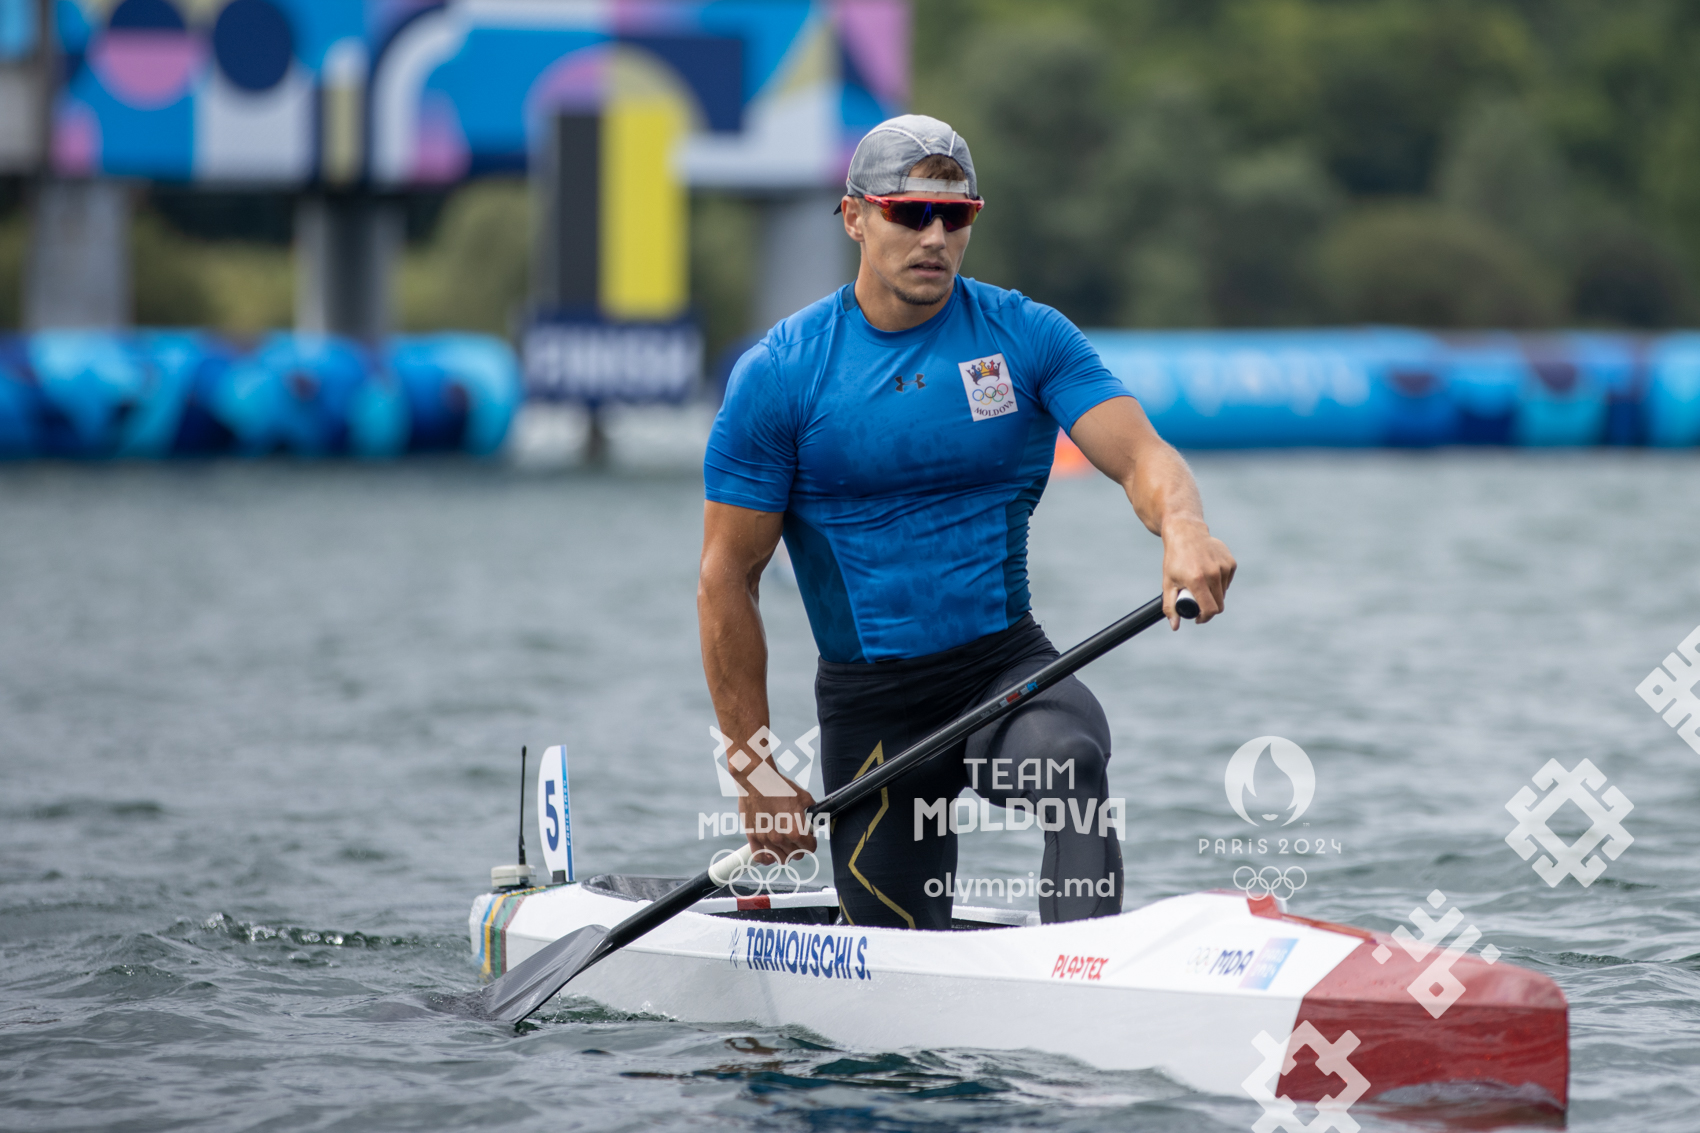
(783, 845)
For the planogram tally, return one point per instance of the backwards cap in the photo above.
(890, 150)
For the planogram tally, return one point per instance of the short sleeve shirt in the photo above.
(907, 463)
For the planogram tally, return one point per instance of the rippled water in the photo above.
(258, 729)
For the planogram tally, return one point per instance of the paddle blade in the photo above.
(528, 986)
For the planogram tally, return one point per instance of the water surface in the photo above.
(259, 728)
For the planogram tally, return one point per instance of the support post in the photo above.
(566, 268)
(79, 260)
(804, 254)
(345, 251)
(566, 185)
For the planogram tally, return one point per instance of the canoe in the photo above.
(1223, 993)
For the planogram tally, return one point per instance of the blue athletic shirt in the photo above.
(907, 463)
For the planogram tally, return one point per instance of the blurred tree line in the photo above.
(1440, 163)
(1259, 162)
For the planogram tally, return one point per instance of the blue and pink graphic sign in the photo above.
(406, 93)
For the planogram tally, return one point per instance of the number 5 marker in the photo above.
(554, 815)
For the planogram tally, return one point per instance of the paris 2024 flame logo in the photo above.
(1289, 759)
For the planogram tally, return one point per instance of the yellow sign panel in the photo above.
(644, 207)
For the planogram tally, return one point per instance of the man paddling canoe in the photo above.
(898, 434)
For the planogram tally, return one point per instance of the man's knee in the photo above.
(1075, 764)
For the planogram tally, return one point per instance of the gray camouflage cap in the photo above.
(890, 150)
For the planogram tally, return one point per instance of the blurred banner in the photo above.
(754, 94)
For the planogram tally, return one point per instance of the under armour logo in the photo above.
(1438, 975)
(1577, 786)
(1331, 1058)
(1672, 693)
(917, 382)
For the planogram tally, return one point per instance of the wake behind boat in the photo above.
(1220, 992)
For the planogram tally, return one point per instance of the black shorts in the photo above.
(1053, 752)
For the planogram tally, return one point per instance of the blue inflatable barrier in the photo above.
(462, 390)
(1542, 391)
(1386, 386)
(171, 362)
(99, 394)
(1249, 390)
(90, 388)
(291, 395)
(1672, 403)
(1576, 388)
(18, 402)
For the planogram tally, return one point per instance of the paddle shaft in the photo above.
(1002, 704)
(662, 909)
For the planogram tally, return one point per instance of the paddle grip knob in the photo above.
(723, 871)
(1185, 604)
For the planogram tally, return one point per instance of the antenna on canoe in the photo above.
(521, 804)
(515, 876)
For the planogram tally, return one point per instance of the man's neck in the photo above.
(885, 311)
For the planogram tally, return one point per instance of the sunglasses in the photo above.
(919, 213)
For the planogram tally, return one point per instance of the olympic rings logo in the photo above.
(765, 873)
(1269, 881)
(992, 394)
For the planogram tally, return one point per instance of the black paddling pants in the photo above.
(1053, 751)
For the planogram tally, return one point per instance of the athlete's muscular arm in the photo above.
(736, 546)
(1118, 439)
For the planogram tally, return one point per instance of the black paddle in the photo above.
(531, 984)
(1004, 702)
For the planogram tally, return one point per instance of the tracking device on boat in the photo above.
(515, 876)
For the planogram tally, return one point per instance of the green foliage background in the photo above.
(1256, 162)
(1172, 163)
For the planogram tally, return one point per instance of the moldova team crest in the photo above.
(990, 387)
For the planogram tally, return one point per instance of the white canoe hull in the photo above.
(1183, 986)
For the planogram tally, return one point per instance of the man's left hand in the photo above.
(1198, 561)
